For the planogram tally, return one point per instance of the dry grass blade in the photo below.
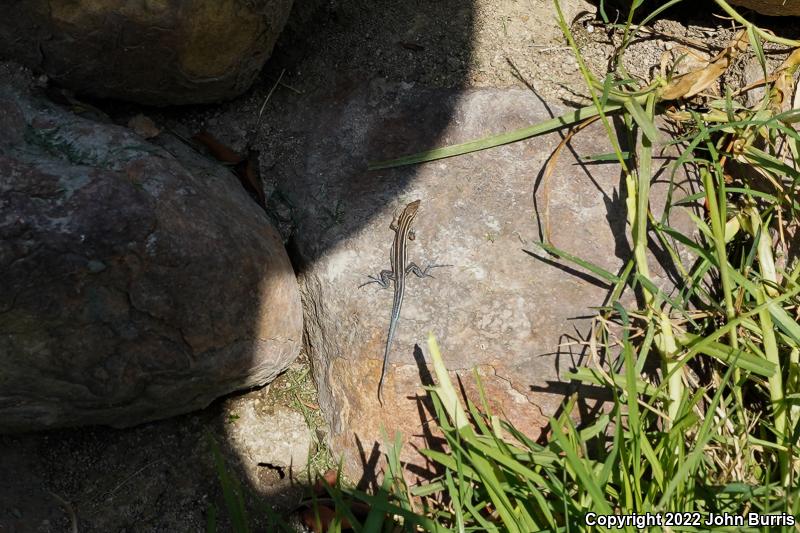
(264, 105)
(73, 517)
(551, 165)
(694, 82)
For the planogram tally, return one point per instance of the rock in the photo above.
(775, 8)
(279, 439)
(497, 309)
(155, 52)
(753, 74)
(138, 281)
(144, 126)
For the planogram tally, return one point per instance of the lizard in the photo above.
(401, 225)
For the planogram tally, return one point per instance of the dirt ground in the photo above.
(160, 476)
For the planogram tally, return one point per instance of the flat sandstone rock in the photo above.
(134, 284)
(512, 316)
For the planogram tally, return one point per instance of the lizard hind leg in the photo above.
(412, 268)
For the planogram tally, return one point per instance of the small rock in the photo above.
(144, 126)
(753, 72)
(280, 439)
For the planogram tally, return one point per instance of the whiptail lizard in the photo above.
(401, 225)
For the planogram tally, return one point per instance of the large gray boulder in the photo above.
(158, 53)
(775, 8)
(134, 284)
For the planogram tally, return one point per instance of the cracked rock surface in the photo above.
(138, 281)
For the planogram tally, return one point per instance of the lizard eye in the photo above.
(412, 235)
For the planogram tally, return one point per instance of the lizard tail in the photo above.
(390, 336)
(380, 383)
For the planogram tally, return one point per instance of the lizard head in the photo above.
(411, 209)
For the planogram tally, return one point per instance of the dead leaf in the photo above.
(318, 516)
(328, 479)
(144, 126)
(249, 176)
(312, 406)
(784, 83)
(245, 167)
(319, 520)
(220, 151)
(692, 83)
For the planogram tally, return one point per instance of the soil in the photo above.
(161, 476)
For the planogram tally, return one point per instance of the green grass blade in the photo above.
(492, 141)
(231, 491)
(642, 119)
(587, 479)
(594, 269)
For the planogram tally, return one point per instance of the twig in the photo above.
(73, 518)
(269, 95)
(124, 481)
(546, 48)
(287, 86)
